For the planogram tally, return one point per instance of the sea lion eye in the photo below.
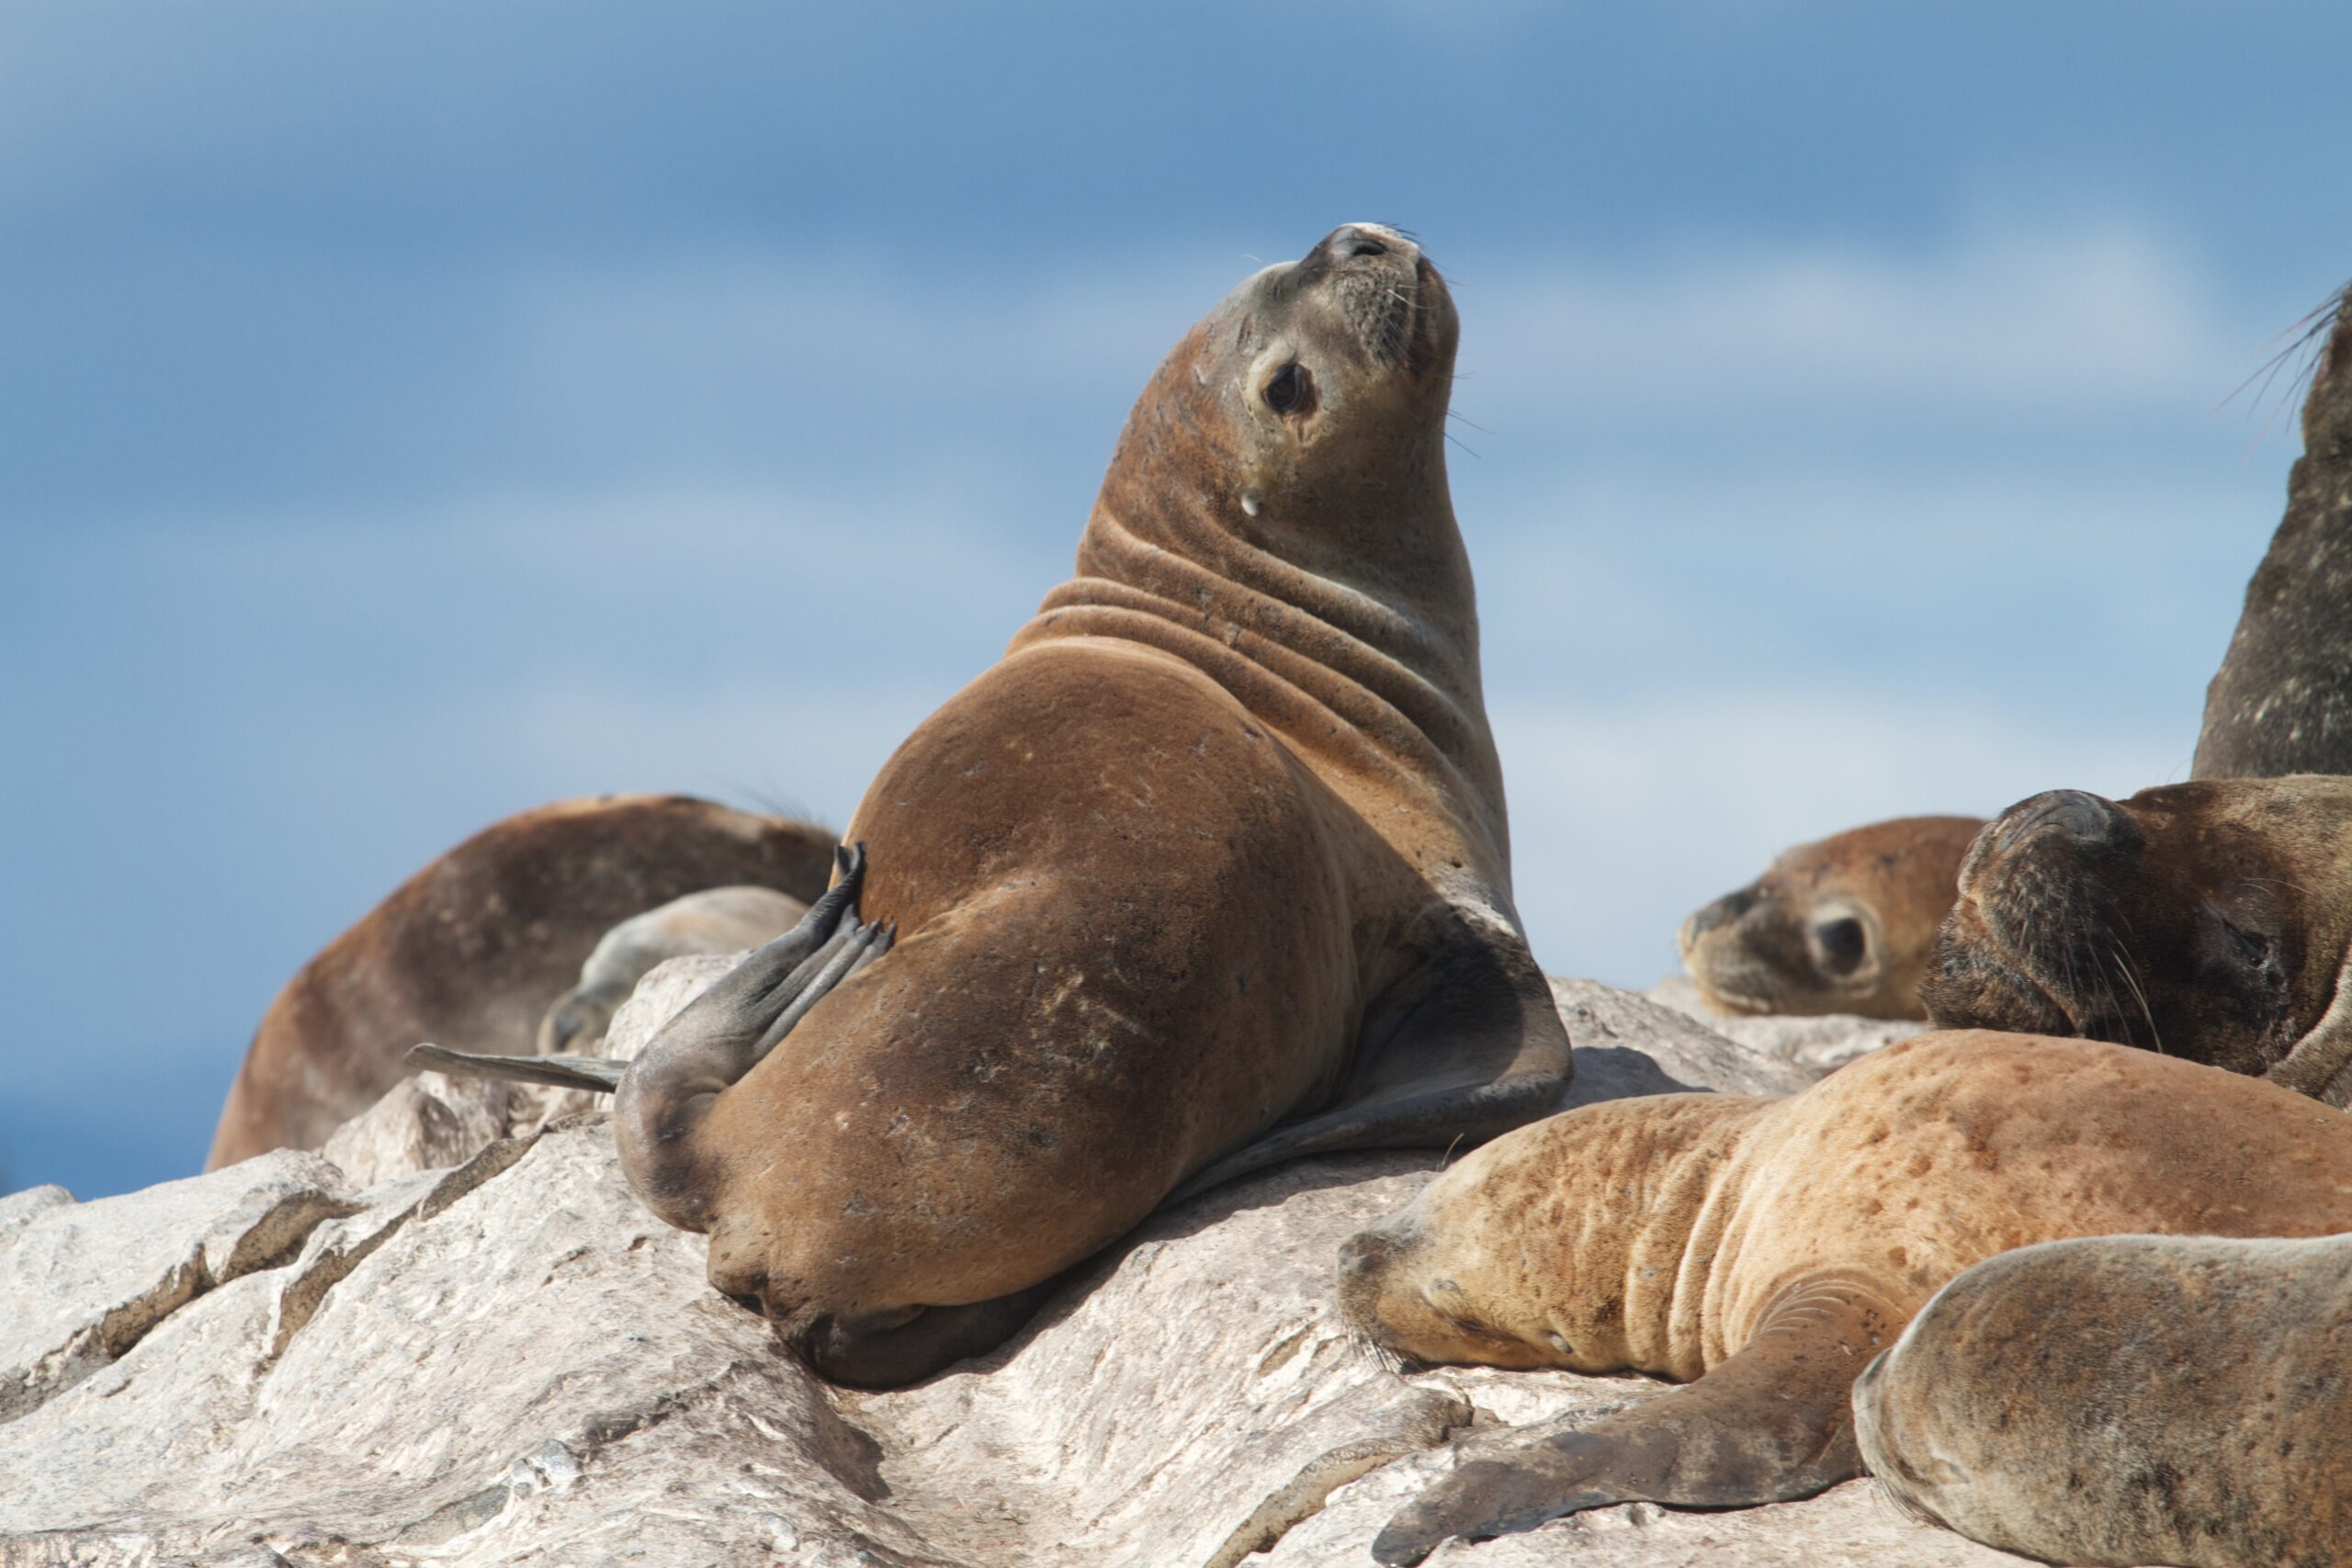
(1843, 943)
(1289, 388)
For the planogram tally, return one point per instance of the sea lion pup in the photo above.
(1769, 1248)
(2129, 1400)
(718, 919)
(2210, 920)
(473, 948)
(1844, 925)
(2283, 700)
(1208, 872)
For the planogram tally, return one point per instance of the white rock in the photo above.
(512, 1362)
(1820, 1045)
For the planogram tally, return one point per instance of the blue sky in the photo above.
(411, 413)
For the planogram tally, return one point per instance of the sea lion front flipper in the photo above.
(597, 1074)
(1467, 1048)
(1768, 1424)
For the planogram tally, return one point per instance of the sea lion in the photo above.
(1209, 871)
(473, 948)
(2129, 1399)
(718, 919)
(1767, 1248)
(1844, 925)
(2210, 920)
(2283, 700)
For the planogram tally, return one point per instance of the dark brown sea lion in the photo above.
(471, 950)
(1844, 925)
(2282, 701)
(1768, 1248)
(2210, 920)
(1208, 872)
(2127, 1399)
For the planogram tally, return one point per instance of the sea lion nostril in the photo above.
(2079, 815)
(1359, 1253)
(1365, 246)
(1722, 911)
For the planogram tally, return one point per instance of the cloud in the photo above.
(1625, 818)
(2025, 320)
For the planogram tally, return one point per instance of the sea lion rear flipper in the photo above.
(1769, 1424)
(1469, 1047)
(597, 1074)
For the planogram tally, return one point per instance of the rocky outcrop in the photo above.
(507, 1360)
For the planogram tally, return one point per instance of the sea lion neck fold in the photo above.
(1312, 569)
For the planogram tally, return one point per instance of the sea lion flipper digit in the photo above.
(1767, 1424)
(597, 1074)
(1463, 1052)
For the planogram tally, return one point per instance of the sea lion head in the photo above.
(1516, 1256)
(1312, 383)
(1844, 925)
(2207, 919)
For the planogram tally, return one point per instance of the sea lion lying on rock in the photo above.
(2210, 920)
(1208, 872)
(471, 950)
(1841, 926)
(1767, 1248)
(2129, 1399)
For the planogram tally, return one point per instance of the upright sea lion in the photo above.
(1769, 1248)
(718, 919)
(1208, 872)
(2129, 1400)
(1844, 925)
(2283, 700)
(473, 948)
(2210, 920)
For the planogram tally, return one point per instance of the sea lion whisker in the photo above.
(2124, 961)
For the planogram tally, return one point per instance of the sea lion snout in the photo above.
(2089, 821)
(1723, 911)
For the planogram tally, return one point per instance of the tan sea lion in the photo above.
(2282, 701)
(718, 919)
(1208, 872)
(2210, 920)
(1844, 925)
(2128, 1400)
(1767, 1248)
(472, 949)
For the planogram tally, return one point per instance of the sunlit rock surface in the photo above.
(461, 1340)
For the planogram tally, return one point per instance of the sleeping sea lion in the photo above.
(1210, 871)
(1841, 926)
(2210, 920)
(473, 948)
(1768, 1248)
(2129, 1399)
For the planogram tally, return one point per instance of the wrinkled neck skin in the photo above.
(1336, 604)
(1685, 1246)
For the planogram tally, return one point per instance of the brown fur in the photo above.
(1210, 869)
(471, 951)
(1769, 1248)
(2209, 920)
(2129, 1400)
(1844, 925)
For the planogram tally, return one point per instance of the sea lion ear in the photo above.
(2320, 1063)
